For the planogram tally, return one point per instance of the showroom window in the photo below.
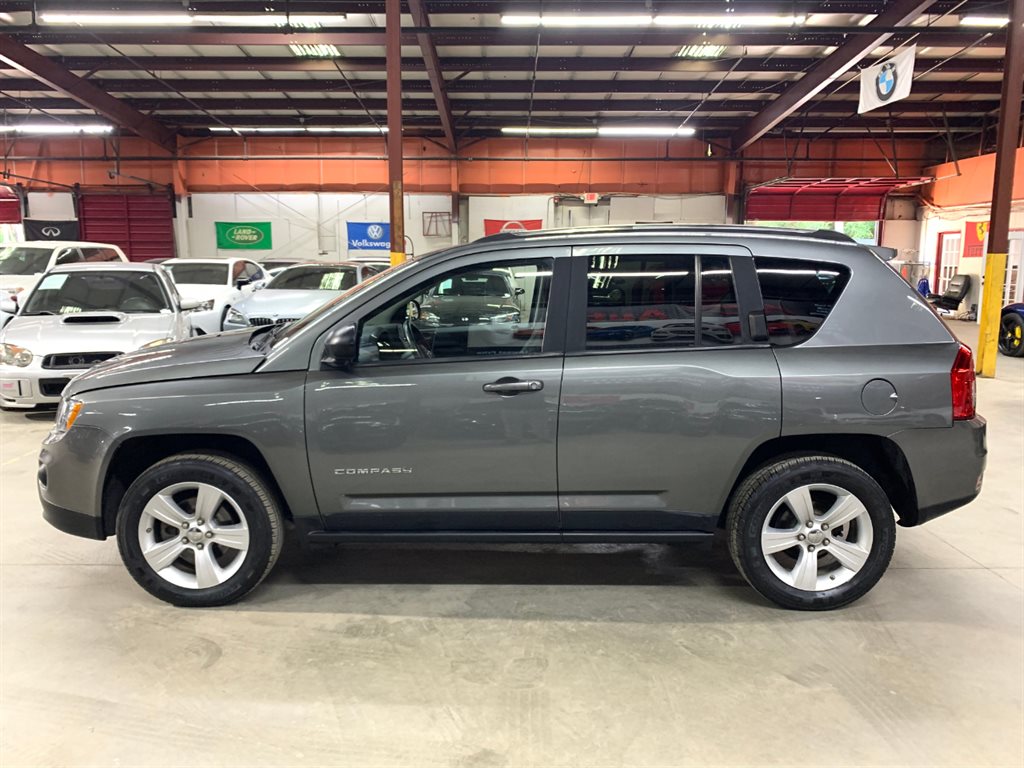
(650, 302)
(489, 310)
(798, 295)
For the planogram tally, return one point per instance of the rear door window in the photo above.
(660, 302)
(798, 295)
(100, 254)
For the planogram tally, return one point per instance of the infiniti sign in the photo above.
(50, 231)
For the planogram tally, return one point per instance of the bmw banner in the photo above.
(887, 82)
(369, 236)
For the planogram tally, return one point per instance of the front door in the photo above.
(448, 420)
(664, 393)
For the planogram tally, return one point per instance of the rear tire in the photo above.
(1011, 335)
(199, 530)
(811, 532)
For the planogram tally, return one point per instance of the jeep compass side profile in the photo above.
(636, 384)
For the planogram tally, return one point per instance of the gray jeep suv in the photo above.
(642, 384)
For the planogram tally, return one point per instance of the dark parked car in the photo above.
(465, 396)
(1011, 330)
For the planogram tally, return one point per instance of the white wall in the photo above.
(680, 209)
(510, 207)
(53, 206)
(303, 225)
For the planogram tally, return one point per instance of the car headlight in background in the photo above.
(204, 306)
(67, 414)
(11, 354)
(235, 318)
(156, 343)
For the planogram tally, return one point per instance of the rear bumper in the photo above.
(947, 466)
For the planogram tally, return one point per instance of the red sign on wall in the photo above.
(975, 233)
(494, 226)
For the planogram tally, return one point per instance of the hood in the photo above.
(223, 354)
(199, 292)
(19, 281)
(274, 303)
(87, 332)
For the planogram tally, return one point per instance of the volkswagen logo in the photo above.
(885, 81)
(50, 231)
(375, 231)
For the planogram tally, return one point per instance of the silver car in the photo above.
(80, 315)
(825, 404)
(296, 291)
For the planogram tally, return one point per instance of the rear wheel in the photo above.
(199, 530)
(811, 533)
(1011, 335)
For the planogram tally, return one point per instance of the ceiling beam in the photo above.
(83, 92)
(466, 86)
(964, 64)
(828, 69)
(421, 19)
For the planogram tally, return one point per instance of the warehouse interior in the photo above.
(379, 132)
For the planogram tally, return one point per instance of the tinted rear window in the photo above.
(199, 274)
(798, 296)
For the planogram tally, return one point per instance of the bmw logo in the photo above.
(885, 81)
(375, 231)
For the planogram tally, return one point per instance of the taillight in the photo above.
(961, 380)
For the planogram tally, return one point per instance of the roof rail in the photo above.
(817, 234)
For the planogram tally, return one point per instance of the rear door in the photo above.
(448, 420)
(664, 393)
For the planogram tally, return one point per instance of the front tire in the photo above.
(199, 530)
(811, 532)
(1011, 335)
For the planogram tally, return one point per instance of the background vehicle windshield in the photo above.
(24, 261)
(315, 279)
(199, 274)
(474, 284)
(73, 292)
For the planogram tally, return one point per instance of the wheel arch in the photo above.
(879, 456)
(132, 456)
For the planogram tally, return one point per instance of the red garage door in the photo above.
(846, 199)
(10, 206)
(141, 225)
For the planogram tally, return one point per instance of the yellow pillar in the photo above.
(991, 305)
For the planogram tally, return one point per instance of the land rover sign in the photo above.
(249, 235)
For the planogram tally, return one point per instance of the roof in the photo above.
(672, 229)
(109, 266)
(59, 244)
(225, 260)
(215, 77)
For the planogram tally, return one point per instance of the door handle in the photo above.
(510, 386)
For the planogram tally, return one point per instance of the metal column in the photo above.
(1002, 193)
(393, 37)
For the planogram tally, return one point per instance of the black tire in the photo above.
(754, 500)
(1011, 335)
(245, 487)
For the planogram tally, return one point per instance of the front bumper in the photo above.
(33, 385)
(70, 480)
(947, 466)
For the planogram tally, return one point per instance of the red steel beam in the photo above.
(818, 78)
(83, 92)
(434, 73)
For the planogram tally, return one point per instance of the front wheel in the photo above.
(199, 530)
(812, 532)
(1011, 335)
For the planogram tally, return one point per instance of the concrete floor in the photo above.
(519, 656)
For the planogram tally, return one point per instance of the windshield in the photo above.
(314, 279)
(24, 261)
(199, 274)
(68, 293)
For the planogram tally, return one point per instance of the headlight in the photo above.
(508, 317)
(236, 318)
(11, 354)
(204, 306)
(156, 343)
(67, 414)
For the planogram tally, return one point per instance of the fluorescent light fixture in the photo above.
(582, 20)
(116, 19)
(55, 128)
(984, 21)
(6, 18)
(315, 50)
(349, 129)
(728, 20)
(185, 19)
(703, 51)
(516, 130)
(644, 130)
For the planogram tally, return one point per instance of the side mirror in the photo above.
(520, 291)
(340, 350)
(241, 282)
(187, 305)
(258, 284)
(10, 306)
